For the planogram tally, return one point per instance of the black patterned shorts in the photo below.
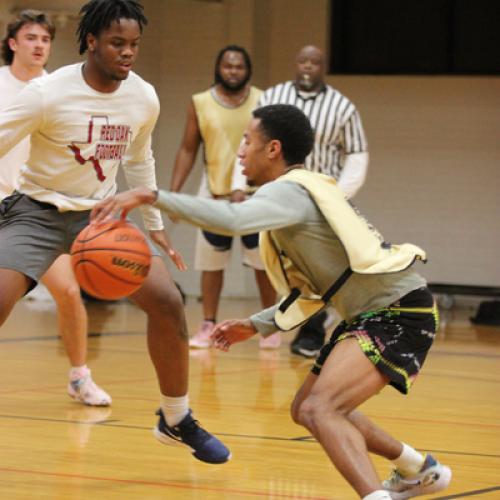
(396, 339)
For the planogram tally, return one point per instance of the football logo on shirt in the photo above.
(110, 142)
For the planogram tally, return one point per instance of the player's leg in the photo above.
(266, 290)
(212, 254)
(211, 288)
(377, 440)
(73, 324)
(27, 247)
(168, 349)
(415, 474)
(347, 379)
(160, 299)
(13, 286)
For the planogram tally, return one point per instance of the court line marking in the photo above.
(299, 439)
(10, 340)
(469, 493)
(158, 484)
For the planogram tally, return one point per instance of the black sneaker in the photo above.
(310, 338)
(307, 346)
(204, 446)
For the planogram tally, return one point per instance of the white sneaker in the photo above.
(39, 293)
(271, 342)
(433, 477)
(86, 391)
(201, 339)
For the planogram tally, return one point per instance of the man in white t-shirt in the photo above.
(86, 121)
(25, 50)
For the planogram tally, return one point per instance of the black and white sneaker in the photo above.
(307, 344)
(310, 338)
(204, 446)
(431, 478)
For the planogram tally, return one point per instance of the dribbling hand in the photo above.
(122, 203)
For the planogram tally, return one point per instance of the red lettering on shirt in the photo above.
(118, 135)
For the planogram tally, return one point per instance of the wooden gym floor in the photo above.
(54, 448)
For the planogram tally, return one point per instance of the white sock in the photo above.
(378, 495)
(78, 372)
(174, 409)
(410, 461)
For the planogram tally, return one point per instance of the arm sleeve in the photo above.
(22, 117)
(353, 175)
(269, 208)
(263, 321)
(139, 168)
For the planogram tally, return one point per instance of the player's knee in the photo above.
(69, 294)
(165, 300)
(316, 409)
(307, 413)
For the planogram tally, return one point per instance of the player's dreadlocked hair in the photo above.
(97, 15)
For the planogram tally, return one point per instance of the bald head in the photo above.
(310, 68)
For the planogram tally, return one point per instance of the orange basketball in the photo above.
(111, 260)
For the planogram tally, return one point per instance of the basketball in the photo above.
(110, 260)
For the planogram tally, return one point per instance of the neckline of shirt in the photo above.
(304, 95)
(79, 68)
(219, 101)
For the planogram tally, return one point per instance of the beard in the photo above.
(233, 87)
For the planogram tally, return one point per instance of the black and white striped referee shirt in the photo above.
(334, 119)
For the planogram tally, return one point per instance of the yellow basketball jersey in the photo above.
(222, 129)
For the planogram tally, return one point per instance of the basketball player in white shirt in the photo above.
(86, 121)
(25, 50)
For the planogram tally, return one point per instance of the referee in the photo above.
(340, 149)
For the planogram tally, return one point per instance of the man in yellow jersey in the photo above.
(217, 118)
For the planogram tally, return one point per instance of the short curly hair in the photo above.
(289, 125)
(29, 16)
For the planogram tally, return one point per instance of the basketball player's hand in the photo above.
(237, 196)
(232, 331)
(110, 207)
(174, 218)
(161, 239)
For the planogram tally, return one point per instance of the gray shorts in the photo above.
(33, 234)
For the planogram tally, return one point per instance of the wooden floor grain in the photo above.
(54, 448)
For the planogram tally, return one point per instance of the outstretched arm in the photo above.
(272, 206)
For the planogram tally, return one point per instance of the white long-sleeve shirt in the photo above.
(11, 162)
(80, 136)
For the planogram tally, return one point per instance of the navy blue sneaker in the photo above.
(188, 432)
